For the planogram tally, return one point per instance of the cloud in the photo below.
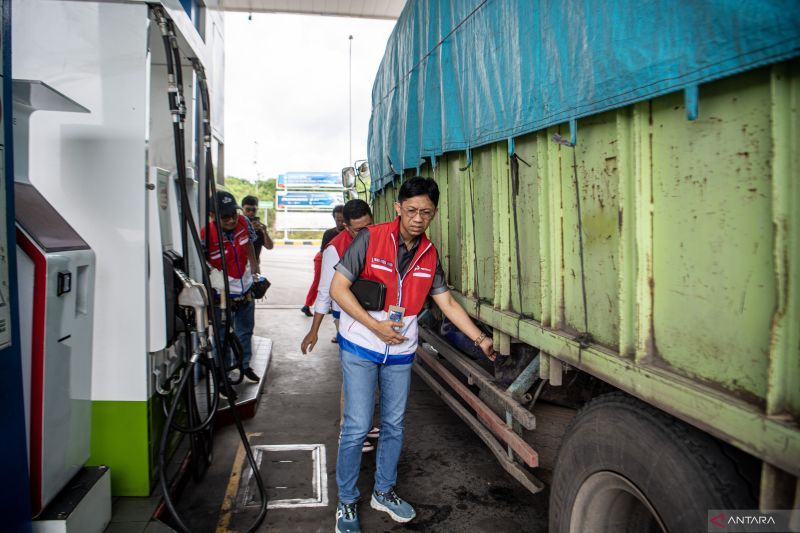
(286, 90)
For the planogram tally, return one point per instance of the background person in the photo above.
(329, 234)
(263, 240)
(357, 216)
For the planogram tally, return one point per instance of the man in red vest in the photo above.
(378, 346)
(356, 216)
(241, 264)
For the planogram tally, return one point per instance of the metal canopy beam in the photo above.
(377, 9)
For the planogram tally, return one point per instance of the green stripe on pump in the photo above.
(119, 441)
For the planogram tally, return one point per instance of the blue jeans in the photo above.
(360, 377)
(244, 319)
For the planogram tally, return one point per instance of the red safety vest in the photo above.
(236, 253)
(410, 290)
(341, 242)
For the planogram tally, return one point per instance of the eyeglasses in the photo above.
(412, 212)
(250, 209)
(228, 217)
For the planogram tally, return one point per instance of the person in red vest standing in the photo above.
(357, 216)
(239, 255)
(338, 217)
(378, 346)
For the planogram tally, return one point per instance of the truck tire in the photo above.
(625, 466)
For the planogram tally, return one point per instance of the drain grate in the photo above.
(294, 475)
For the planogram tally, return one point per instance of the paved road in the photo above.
(445, 470)
(290, 269)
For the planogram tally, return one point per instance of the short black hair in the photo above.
(337, 209)
(355, 209)
(417, 186)
(250, 200)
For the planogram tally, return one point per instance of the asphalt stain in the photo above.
(502, 494)
(427, 517)
(465, 496)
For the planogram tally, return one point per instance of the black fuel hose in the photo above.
(191, 402)
(211, 407)
(211, 182)
(175, 104)
(178, 111)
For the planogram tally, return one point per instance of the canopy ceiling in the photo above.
(375, 9)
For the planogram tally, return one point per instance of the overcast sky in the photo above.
(286, 90)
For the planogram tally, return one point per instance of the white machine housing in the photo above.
(56, 298)
(56, 287)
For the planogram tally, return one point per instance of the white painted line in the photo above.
(319, 478)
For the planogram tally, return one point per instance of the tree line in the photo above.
(264, 190)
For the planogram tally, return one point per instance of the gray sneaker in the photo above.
(389, 502)
(347, 518)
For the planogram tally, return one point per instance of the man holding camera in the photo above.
(377, 345)
(263, 240)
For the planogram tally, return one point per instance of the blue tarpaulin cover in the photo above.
(466, 73)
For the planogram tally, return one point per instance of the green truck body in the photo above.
(690, 237)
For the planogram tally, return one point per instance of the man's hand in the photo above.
(385, 332)
(487, 345)
(340, 291)
(309, 341)
(463, 322)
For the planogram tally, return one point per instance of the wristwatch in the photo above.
(479, 339)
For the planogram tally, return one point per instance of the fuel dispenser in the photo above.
(152, 373)
(55, 272)
(164, 256)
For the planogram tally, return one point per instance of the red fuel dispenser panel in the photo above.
(56, 279)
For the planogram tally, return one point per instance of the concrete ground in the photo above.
(445, 471)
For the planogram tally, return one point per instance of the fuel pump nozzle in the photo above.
(194, 296)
